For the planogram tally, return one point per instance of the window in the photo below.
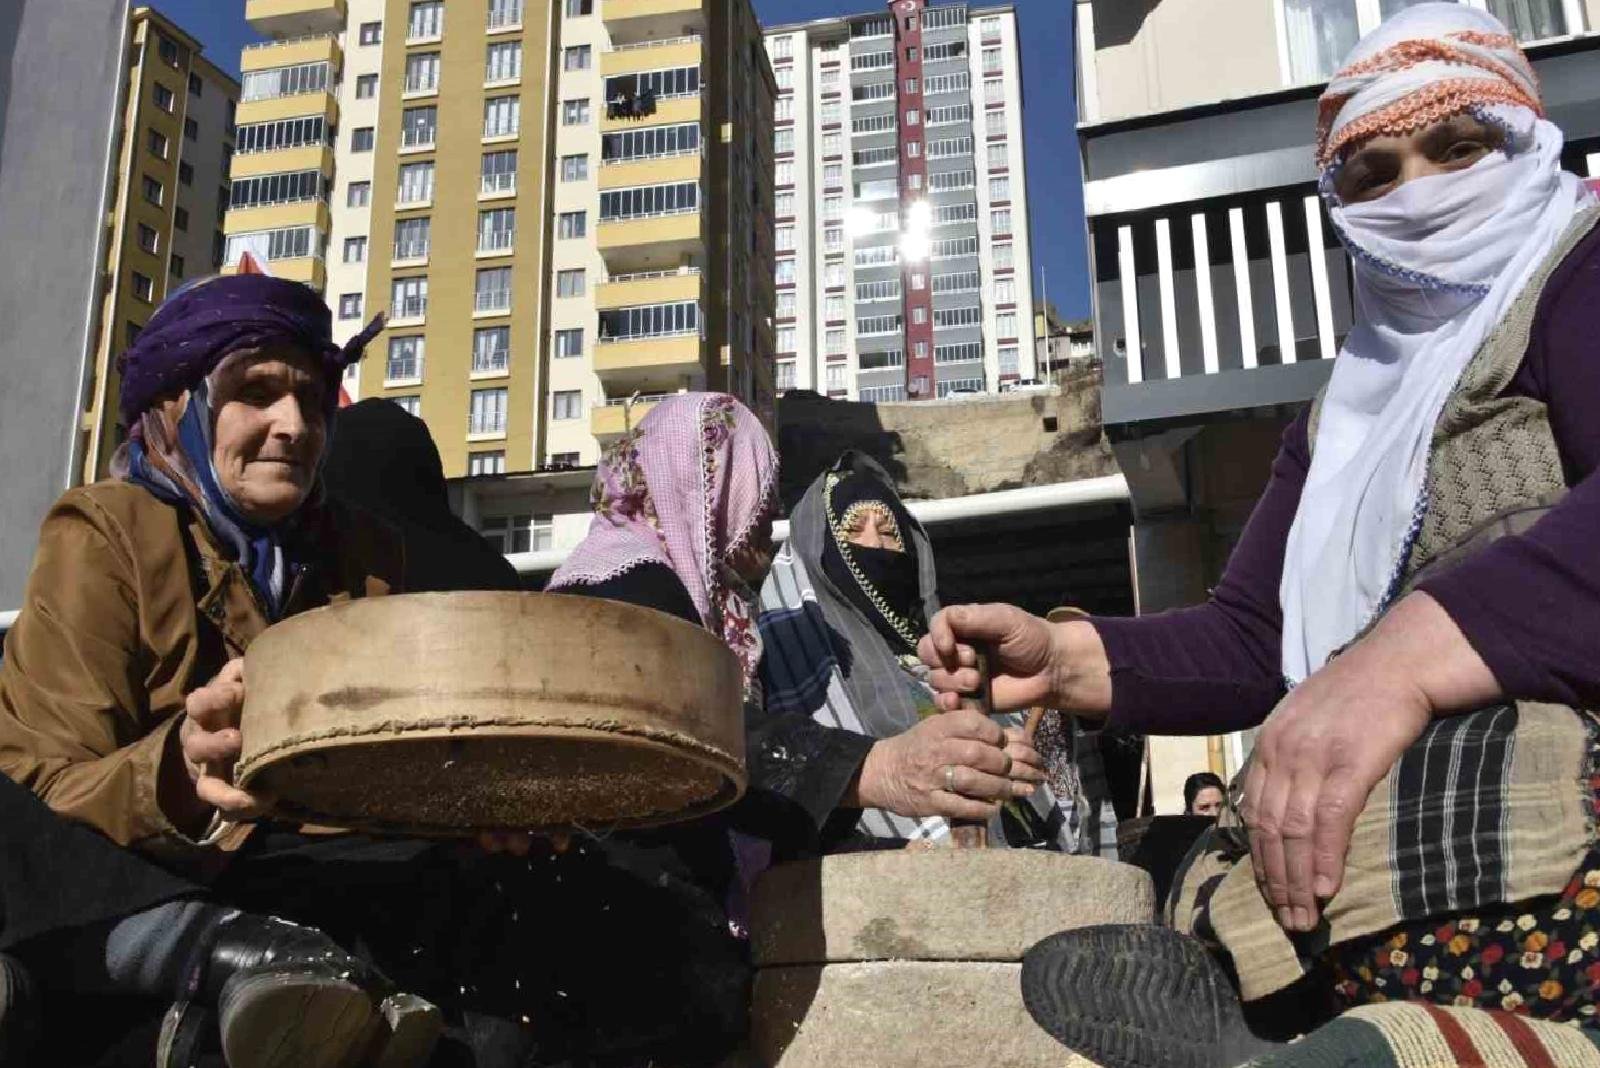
(652, 142)
(355, 249)
(649, 200)
(832, 208)
(783, 109)
(832, 144)
(782, 172)
(783, 141)
(961, 352)
(574, 168)
(569, 343)
(881, 394)
(943, 181)
(999, 189)
(1320, 33)
(783, 273)
(416, 183)
(371, 33)
(1000, 221)
(627, 94)
(502, 116)
(156, 141)
(486, 463)
(422, 72)
(175, 268)
(961, 384)
(958, 246)
(563, 459)
(411, 238)
(1008, 359)
(888, 289)
(919, 316)
(1002, 257)
(575, 112)
(574, 57)
(497, 229)
(953, 113)
(910, 86)
(878, 324)
(833, 239)
(781, 48)
(504, 14)
(833, 307)
(366, 86)
(828, 81)
(359, 194)
(992, 63)
(153, 191)
(570, 283)
(872, 60)
(785, 378)
(956, 317)
(784, 78)
(418, 127)
(491, 349)
(350, 305)
(948, 214)
(575, 8)
(869, 124)
(650, 320)
(946, 83)
(833, 274)
(566, 404)
(487, 414)
(831, 112)
(167, 50)
(284, 133)
(492, 289)
(1005, 324)
(196, 86)
(411, 405)
(427, 20)
(913, 149)
(871, 157)
(284, 243)
(503, 61)
(166, 101)
(994, 123)
(185, 172)
(408, 299)
(834, 341)
(282, 81)
(1528, 20)
(948, 50)
(570, 224)
(405, 359)
(879, 361)
(957, 282)
(1005, 291)
(913, 117)
(872, 91)
(832, 175)
(783, 205)
(147, 238)
(498, 171)
(785, 339)
(284, 188)
(919, 281)
(785, 305)
(518, 533)
(783, 238)
(361, 139)
(998, 155)
(191, 130)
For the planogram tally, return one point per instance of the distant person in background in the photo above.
(1203, 794)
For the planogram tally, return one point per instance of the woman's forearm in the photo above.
(1418, 645)
(1083, 672)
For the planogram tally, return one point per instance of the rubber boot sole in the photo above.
(411, 1027)
(296, 1021)
(1137, 997)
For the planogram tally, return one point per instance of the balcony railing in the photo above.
(410, 308)
(492, 300)
(499, 183)
(642, 276)
(411, 250)
(693, 331)
(691, 38)
(417, 138)
(278, 41)
(422, 85)
(405, 370)
(642, 398)
(496, 240)
(491, 362)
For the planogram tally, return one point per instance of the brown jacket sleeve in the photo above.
(86, 706)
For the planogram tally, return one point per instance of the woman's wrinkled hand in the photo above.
(210, 740)
(1032, 663)
(959, 765)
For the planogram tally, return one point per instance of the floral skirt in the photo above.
(1539, 959)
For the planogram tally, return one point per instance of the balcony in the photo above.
(614, 418)
(290, 51)
(672, 109)
(652, 243)
(651, 53)
(310, 270)
(277, 216)
(290, 18)
(300, 105)
(648, 287)
(631, 22)
(657, 170)
(496, 242)
(639, 363)
(272, 161)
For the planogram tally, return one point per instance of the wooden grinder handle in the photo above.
(974, 834)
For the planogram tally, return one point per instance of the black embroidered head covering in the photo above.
(882, 583)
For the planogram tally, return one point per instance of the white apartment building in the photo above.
(902, 237)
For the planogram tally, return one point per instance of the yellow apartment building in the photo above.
(564, 207)
(171, 188)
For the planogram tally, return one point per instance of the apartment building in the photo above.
(564, 207)
(1221, 293)
(171, 189)
(903, 253)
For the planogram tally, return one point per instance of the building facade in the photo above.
(564, 207)
(165, 219)
(903, 254)
(1221, 293)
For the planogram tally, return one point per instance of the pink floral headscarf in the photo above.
(686, 488)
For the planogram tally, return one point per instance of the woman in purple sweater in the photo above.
(1389, 817)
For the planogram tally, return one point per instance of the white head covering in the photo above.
(1437, 263)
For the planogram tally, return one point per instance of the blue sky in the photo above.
(1054, 191)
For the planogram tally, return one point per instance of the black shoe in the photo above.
(286, 996)
(1142, 996)
(19, 1013)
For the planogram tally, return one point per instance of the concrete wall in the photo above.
(55, 134)
(1157, 55)
(952, 448)
(1594, 14)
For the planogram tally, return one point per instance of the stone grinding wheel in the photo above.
(451, 713)
(903, 959)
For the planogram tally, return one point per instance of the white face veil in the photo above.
(1437, 263)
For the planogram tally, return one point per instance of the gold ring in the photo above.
(950, 778)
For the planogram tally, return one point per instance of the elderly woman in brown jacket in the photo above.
(122, 682)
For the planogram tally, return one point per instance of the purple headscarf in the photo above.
(193, 330)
